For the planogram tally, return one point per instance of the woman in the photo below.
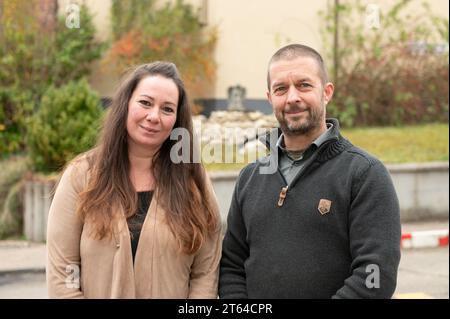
(126, 221)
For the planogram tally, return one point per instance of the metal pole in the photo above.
(336, 42)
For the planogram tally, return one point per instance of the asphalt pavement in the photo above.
(423, 272)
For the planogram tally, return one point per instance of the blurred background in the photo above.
(61, 61)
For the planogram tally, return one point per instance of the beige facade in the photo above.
(249, 32)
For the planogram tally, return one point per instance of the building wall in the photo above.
(249, 32)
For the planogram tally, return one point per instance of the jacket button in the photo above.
(117, 245)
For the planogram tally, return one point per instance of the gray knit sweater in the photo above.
(294, 250)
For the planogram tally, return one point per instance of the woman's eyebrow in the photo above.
(147, 96)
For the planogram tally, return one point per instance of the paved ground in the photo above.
(423, 273)
(22, 270)
(420, 226)
(23, 286)
(21, 256)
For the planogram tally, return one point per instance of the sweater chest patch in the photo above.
(324, 206)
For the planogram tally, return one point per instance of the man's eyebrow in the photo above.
(277, 83)
(305, 79)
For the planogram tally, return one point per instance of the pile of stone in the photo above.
(232, 127)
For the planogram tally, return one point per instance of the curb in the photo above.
(425, 239)
(21, 271)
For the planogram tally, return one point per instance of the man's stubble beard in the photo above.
(296, 126)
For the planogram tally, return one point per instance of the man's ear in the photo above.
(269, 97)
(328, 91)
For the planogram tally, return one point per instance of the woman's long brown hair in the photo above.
(180, 187)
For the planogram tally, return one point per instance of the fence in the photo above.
(36, 206)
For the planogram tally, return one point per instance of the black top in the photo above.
(136, 221)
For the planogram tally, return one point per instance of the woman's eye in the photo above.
(168, 109)
(144, 102)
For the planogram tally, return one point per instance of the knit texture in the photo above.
(294, 251)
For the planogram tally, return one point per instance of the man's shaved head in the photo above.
(293, 51)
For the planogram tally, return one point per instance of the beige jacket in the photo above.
(79, 266)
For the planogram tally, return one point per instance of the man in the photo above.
(326, 224)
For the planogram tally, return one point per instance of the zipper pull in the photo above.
(282, 196)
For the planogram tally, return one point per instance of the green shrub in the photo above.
(11, 176)
(393, 73)
(74, 50)
(15, 107)
(11, 220)
(66, 124)
(34, 57)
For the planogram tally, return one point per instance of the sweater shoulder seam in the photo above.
(369, 159)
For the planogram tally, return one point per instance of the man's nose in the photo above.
(293, 95)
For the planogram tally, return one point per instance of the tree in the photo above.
(143, 33)
(37, 50)
(392, 73)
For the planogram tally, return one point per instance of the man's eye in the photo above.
(144, 102)
(279, 89)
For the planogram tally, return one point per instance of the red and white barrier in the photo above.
(425, 239)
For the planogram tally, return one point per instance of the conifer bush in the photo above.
(66, 124)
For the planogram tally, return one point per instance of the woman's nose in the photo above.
(153, 114)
